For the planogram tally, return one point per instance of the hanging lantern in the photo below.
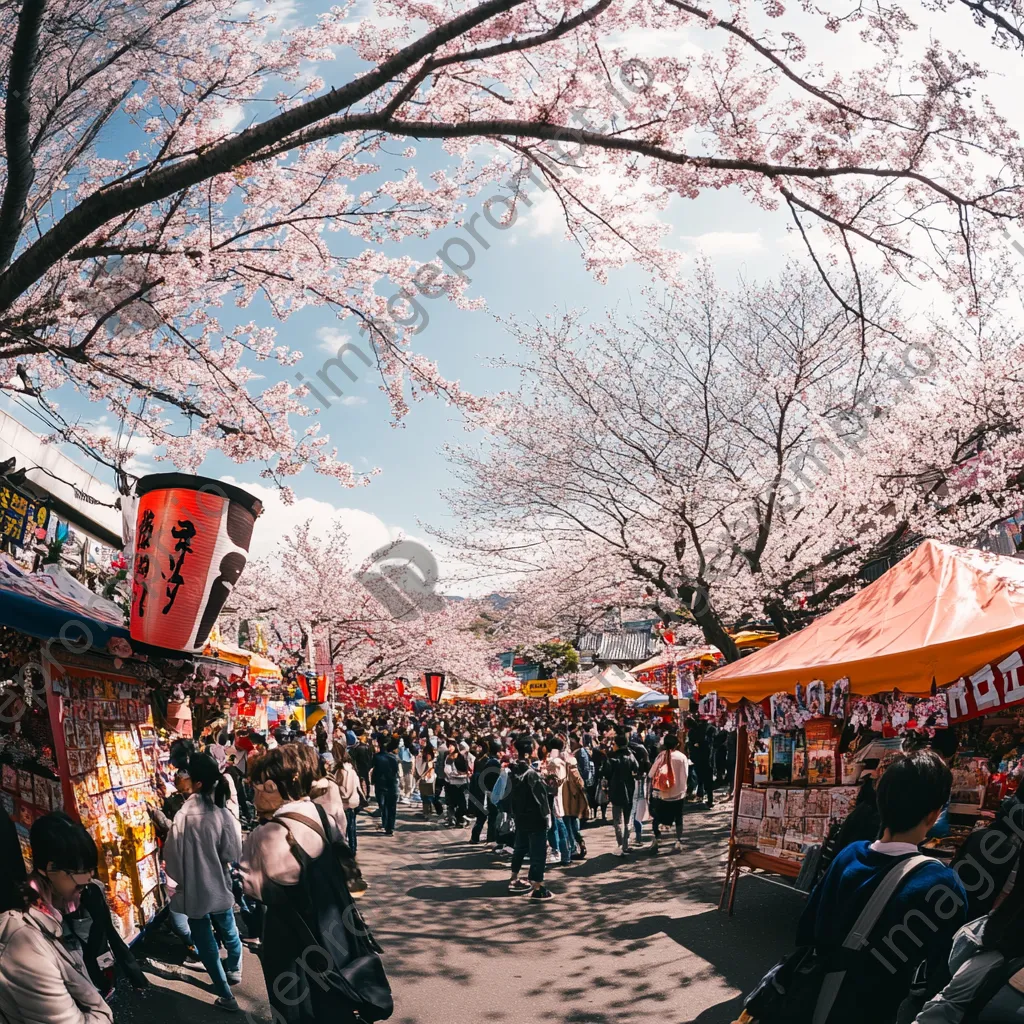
(434, 682)
(314, 688)
(191, 543)
(400, 687)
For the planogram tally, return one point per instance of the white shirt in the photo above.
(893, 849)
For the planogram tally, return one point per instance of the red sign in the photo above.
(992, 688)
(314, 688)
(339, 676)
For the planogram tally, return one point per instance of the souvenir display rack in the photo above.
(104, 735)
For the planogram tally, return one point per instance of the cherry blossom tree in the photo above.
(167, 160)
(310, 590)
(708, 450)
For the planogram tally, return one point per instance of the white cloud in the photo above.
(726, 243)
(353, 400)
(228, 119)
(331, 339)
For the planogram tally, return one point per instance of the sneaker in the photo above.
(518, 885)
(192, 960)
(621, 853)
(226, 1003)
(582, 853)
(677, 847)
(234, 977)
(553, 858)
(541, 894)
(653, 848)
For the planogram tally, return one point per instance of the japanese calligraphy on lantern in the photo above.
(191, 543)
(991, 688)
(20, 516)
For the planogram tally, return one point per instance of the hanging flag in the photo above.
(434, 682)
(339, 676)
(314, 688)
(400, 686)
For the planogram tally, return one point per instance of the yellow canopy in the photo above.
(258, 666)
(610, 683)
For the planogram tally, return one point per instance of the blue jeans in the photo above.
(572, 828)
(179, 925)
(350, 817)
(206, 946)
(558, 836)
(537, 845)
(388, 801)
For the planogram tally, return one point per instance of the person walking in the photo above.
(574, 804)
(405, 759)
(202, 845)
(40, 979)
(457, 770)
(486, 770)
(620, 771)
(297, 864)
(385, 775)
(426, 778)
(668, 777)
(554, 772)
(362, 760)
(351, 792)
(532, 812)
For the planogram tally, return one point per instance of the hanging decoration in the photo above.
(191, 543)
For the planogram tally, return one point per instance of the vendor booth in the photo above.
(935, 642)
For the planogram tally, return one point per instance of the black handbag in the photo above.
(802, 988)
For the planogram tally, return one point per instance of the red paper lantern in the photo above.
(434, 682)
(191, 543)
(400, 687)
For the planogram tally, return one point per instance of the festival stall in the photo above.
(77, 733)
(78, 736)
(814, 706)
(662, 671)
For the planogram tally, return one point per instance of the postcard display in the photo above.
(796, 793)
(105, 740)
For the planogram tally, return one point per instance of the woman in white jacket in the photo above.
(41, 980)
(203, 842)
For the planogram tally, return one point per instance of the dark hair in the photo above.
(180, 752)
(339, 751)
(524, 746)
(555, 744)
(913, 786)
(1003, 930)
(58, 840)
(208, 780)
(292, 768)
(946, 742)
(671, 741)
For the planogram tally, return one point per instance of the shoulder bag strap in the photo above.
(302, 819)
(866, 921)
(869, 916)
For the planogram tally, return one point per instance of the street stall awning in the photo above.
(612, 682)
(477, 696)
(255, 664)
(678, 656)
(32, 603)
(263, 668)
(934, 617)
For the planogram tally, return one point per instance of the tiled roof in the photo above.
(618, 646)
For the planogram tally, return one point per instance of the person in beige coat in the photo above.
(40, 980)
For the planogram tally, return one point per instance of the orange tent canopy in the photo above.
(941, 613)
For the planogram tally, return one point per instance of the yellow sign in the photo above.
(540, 687)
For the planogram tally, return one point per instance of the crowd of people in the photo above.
(265, 831)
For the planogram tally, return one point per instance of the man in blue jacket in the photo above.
(919, 922)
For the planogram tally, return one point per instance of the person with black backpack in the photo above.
(880, 913)
(987, 964)
(531, 809)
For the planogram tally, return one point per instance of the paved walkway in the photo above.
(624, 939)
